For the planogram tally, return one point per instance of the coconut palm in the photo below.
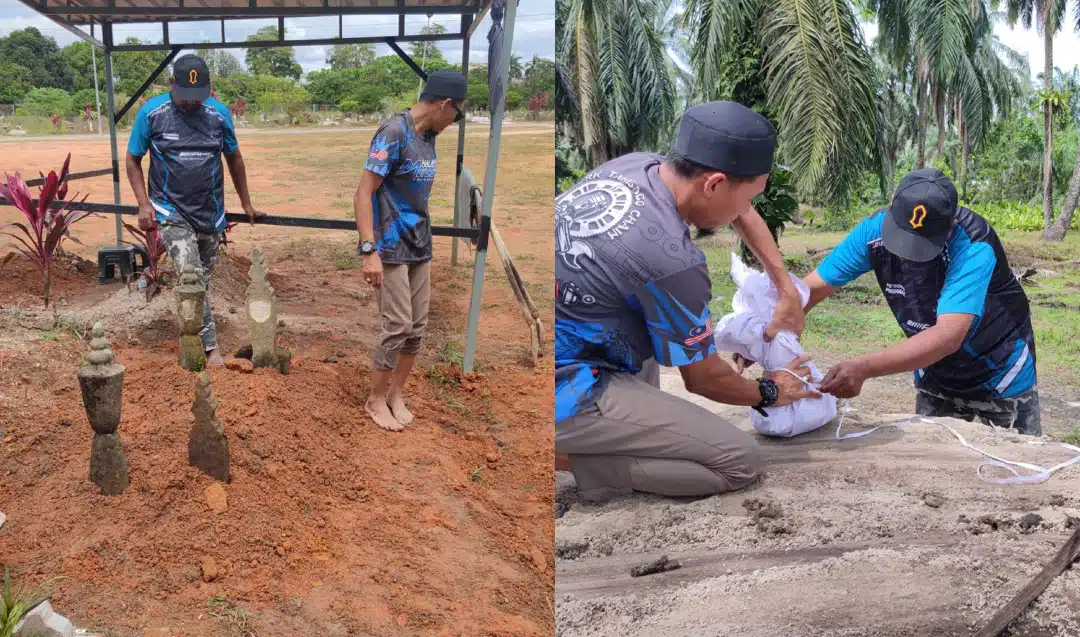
(613, 62)
(816, 74)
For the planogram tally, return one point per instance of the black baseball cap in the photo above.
(445, 85)
(191, 79)
(920, 216)
(727, 137)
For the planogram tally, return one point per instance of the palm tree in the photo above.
(517, 70)
(1068, 83)
(1049, 18)
(816, 74)
(613, 62)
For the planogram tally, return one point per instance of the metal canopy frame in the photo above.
(105, 14)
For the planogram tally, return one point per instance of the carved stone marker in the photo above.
(102, 384)
(190, 297)
(208, 449)
(261, 313)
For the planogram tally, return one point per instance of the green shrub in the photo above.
(47, 102)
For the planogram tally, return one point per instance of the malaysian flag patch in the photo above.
(379, 155)
(699, 333)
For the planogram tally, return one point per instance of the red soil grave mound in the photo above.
(333, 527)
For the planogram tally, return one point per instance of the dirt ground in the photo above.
(837, 539)
(333, 527)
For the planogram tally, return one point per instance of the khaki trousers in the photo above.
(403, 300)
(639, 438)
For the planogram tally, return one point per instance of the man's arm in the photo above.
(136, 178)
(788, 314)
(714, 379)
(363, 209)
(819, 290)
(138, 144)
(845, 379)
(238, 172)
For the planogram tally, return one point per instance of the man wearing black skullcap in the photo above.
(948, 283)
(391, 208)
(633, 293)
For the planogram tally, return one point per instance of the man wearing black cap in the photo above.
(186, 132)
(947, 281)
(633, 293)
(391, 208)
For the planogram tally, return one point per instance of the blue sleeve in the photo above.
(385, 150)
(851, 259)
(139, 141)
(676, 311)
(967, 280)
(229, 144)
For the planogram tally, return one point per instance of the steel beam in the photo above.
(461, 217)
(153, 14)
(74, 176)
(110, 91)
(436, 37)
(269, 220)
(145, 85)
(489, 192)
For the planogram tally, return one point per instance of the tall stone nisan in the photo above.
(102, 384)
(190, 297)
(261, 313)
(208, 449)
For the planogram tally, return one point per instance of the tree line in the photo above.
(41, 78)
(935, 87)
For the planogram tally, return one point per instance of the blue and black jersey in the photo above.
(405, 160)
(186, 185)
(972, 276)
(630, 284)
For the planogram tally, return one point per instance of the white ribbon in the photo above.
(1036, 473)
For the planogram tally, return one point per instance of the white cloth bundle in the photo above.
(743, 332)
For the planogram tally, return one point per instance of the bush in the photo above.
(47, 102)
(1010, 215)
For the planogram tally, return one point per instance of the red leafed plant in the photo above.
(239, 107)
(154, 245)
(87, 112)
(539, 102)
(57, 121)
(45, 229)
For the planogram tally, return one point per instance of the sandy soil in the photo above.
(333, 527)
(837, 539)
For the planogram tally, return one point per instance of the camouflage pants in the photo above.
(186, 246)
(1019, 412)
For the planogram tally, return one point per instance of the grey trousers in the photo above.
(201, 250)
(639, 438)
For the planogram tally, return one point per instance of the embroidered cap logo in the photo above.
(918, 216)
(193, 76)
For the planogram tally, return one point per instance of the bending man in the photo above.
(947, 281)
(633, 292)
(391, 207)
(187, 132)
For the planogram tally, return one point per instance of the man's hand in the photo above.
(253, 214)
(741, 364)
(373, 270)
(793, 387)
(788, 316)
(845, 379)
(147, 222)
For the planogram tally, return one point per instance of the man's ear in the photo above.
(713, 181)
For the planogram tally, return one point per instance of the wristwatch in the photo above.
(770, 393)
(366, 247)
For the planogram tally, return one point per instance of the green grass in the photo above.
(856, 319)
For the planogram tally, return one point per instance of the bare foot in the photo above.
(213, 358)
(382, 416)
(398, 409)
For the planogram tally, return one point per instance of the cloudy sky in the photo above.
(1026, 41)
(534, 33)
